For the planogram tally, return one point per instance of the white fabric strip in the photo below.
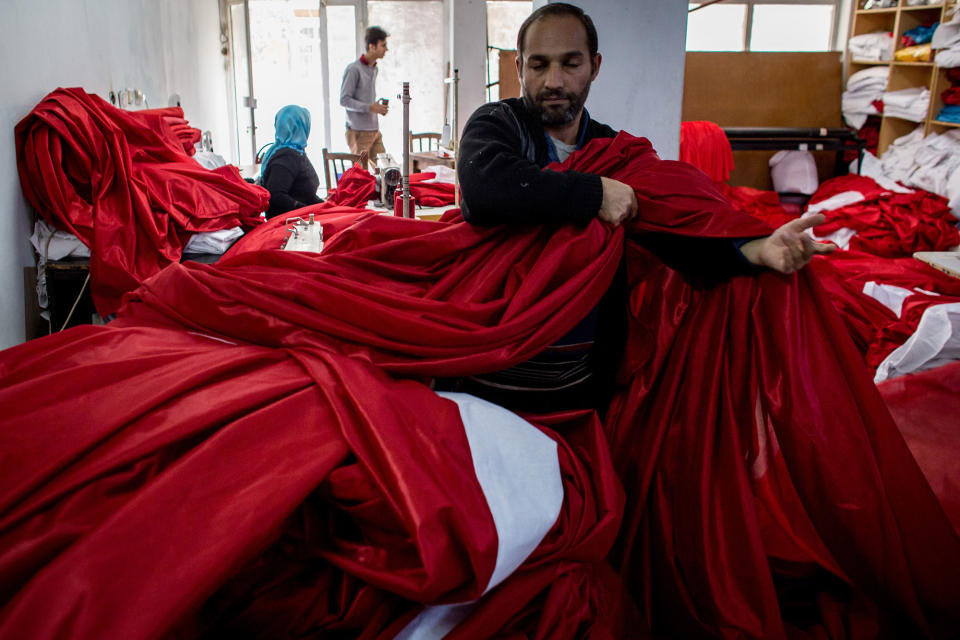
(518, 469)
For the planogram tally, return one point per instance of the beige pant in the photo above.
(369, 141)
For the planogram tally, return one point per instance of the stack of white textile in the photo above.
(910, 104)
(947, 39)
(863, 88)
(872, 46)
(931, 163)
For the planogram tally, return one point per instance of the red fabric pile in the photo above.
(124, 183)
(889, 224)
(357, 186)
(276, 432)
(876, 330)
(704, 145)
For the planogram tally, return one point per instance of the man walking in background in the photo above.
(358, 95)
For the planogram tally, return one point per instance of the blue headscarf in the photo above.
(292, 128)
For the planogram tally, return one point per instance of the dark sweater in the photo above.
(291, 180)
(502, 154)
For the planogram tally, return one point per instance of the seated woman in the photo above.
(286, 171)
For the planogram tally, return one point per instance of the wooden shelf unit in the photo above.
(903, 75)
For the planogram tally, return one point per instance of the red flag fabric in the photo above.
(889, 224)
(925, 407)
(256, 436)
(124, 183)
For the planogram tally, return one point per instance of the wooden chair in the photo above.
(424, 142)
(338, 162)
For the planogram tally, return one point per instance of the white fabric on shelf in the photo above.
(863, 89)
(871, 46)
(948, 58)
(947, 34)
(909, 104)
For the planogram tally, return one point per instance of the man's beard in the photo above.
(556, 115)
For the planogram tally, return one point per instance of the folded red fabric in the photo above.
(124, 183)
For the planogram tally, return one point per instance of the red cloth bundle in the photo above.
(431, 194)
(123, 182)
(877, 330)
(357, 186)
(267, 436)
(354, 188)
(889, 224)
(704, 145)
(951, 95)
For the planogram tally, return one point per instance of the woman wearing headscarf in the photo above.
(286, 171)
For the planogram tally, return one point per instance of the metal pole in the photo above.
(406, 150)
(251, 99)
(456, 137)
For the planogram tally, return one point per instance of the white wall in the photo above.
(468, 53)
(160, 47)
(640, 86)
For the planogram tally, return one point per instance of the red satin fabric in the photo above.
(124, 183)
(431, 194)
(768, 490)
(704, 145)
(923, 404)
(889, 224)
(357, 186)
(877, 330)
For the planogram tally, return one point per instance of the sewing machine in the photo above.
(388, 177)
(303, 235)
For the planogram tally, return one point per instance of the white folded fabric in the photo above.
(872, 46)
(213, 242)
(948, 58)
(909, 104)
(947, 35)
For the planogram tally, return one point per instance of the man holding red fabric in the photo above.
(506, 146)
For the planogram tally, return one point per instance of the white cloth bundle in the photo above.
(863, 88)
(910, 104)
(872, 46)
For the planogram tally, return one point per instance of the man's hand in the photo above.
(619, 202)
(376, 107)
(788, 248)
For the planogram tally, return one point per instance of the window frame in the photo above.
(840, 7)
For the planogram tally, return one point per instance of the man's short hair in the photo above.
(559, 9)
(374, 35)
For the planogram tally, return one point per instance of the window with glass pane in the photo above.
(718, 27)
(503, 22)
(287, 65)
(341, 51)
(791, 27)
(415, 55)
